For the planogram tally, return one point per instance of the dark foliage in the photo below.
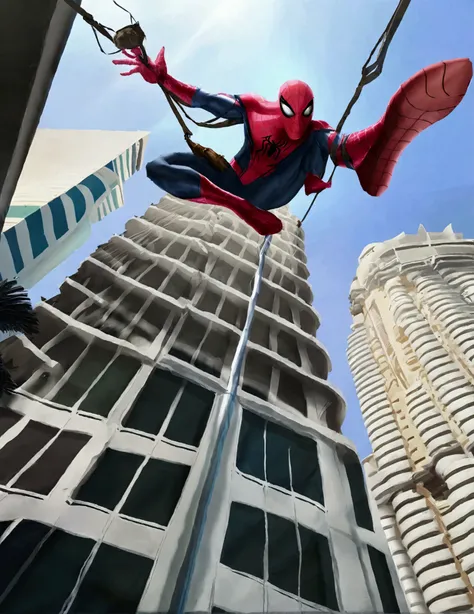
(7, 385)
(16, 316)
(16, 312)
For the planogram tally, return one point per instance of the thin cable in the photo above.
(369, 73)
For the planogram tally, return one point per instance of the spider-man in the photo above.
(285, 149)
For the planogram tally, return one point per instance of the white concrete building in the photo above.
(107, 445)
(411, 354)
(70, 180)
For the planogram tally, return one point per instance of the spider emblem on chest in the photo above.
(271, 148)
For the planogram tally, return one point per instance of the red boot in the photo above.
(263, 222)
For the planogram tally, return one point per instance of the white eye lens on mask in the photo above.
(286, 109)
(309, 109)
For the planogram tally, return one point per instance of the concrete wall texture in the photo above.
(71, 179)
(411, 354)
(106, 446)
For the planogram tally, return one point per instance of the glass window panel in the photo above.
(153, 404)
(114, 583)
(317, 576)
(156, 492)
(190, 418)
(91, 365)
(283, 554)
(43, 476)
(383, 578)
(107, 391)
(110, 478)
(244, 543)
(8, 418)
(16, 548)
(358, 491)
(17, 452)
(250, 452)
(47, 582)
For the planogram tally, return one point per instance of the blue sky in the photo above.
(239, 46)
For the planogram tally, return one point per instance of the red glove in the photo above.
(155, 72)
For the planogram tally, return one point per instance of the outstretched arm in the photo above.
(220, 105)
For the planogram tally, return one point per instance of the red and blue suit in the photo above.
(285, 149)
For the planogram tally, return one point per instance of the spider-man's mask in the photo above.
(296, 104)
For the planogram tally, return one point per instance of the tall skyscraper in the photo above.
(411, 355)
(71, 179)
(115, 486)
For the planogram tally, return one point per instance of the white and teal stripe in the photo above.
(42, 226)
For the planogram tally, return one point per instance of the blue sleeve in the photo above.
(318, 153)
(222, 106)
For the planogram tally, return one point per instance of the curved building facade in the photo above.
(111, 435)
(411, 355)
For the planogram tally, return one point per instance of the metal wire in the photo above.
(369, 73)
(178, 601)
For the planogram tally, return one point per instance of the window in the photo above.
(284, 448)
(45, 564)
(356, 480)
(288, 568)
(67, 351)
(156, 492)
(190, 417)
(244, 543)
(283, 554)
(291, 392)
(20, 450)
(107, 483)
(189, 338)
(91, 365)
(213, 351)
(317, 577)
(257, 374)
(110, 387)
(221, 271)
(114, 583)
(43, 476)
(153, 496)
(284, 310)
(210, 300)
(50, 577)
(260, 332)
(178, 285)
(288, 347)
(383, 579)
(153, 403)
(8, 418)
(16, 548)
(251, 451)
(232, 313)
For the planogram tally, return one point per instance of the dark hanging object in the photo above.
(129, 37)
(133, 37)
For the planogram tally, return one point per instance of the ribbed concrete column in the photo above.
(432, 426)
(454, 315)
(432, 560)
(393, 465)
(460, 278)
(449, 383)
(406, 574)
(458, 473)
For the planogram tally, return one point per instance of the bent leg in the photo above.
(189, 177)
